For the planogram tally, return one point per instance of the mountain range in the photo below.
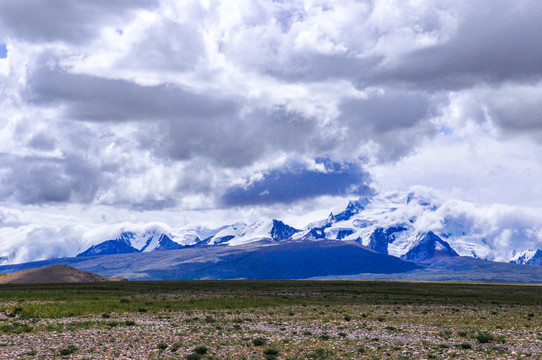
(395, 225)
(397, 236)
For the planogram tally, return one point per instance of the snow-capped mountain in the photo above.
(393, 223)
(428, 247)
(416, 225)
(154, 240)
(120, 245)
(528, 257)
(281, 231)
(129, 242)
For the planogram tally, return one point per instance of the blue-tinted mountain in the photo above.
(392, 231)
(536, 259)
(124, 244)
(352, 209)
(222, 239)
(378, 241)
(164, 244)
(315, 233)
(110, 247)
(341, 234)
(429, 247)
(289, 260)
(278, 260)
(380, 238)
(281, 231)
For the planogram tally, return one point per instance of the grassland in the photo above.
(270, 320)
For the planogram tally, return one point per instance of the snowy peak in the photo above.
(109, 247)
(536, 259)
(388, 223)
(380, 238)
(240, 233)
(429, 246)
(160, 242)
(353, 208)
(315, 234)
(129, 242)
(528, 257)
(281, 231)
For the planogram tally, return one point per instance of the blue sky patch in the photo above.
(445, 130)
(3, 51)
(296, 182)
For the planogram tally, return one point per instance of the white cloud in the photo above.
(161, 105)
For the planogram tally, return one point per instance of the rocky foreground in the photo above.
(304, 331)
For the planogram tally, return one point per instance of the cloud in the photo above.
(84, 97)
(158, 105)
(35, 180)
(42, 141)
(515, 109)
(493, 43)
(392, 119)
(166, 46)
(296, 182)
(64, 20)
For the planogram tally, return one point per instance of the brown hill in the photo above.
(51, 274)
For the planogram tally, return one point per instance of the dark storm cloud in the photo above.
(176, 123)
(239, 139)
(64, 20)
(497, 41)
(42, 141)
(515, 110)
(255, 79)
(40, 180)
(296, 182)
(394, 119)
(85, 97)
(393, 109)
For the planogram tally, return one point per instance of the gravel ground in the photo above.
(296, 332)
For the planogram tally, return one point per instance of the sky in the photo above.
(175, 112)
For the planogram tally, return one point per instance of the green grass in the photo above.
(65, 300)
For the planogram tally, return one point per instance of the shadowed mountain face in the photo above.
(109, 247)
(123, 245)
(460, 268)
(293, 260)
(352, 209)
(165, 243)
(379, 241)
(380, 238)
(428, 248)
(290, 260)
(50, 274)
(536, 259)
(281, 231)
(283, 260)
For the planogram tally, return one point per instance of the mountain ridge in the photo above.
(388, 224)
(299, 259)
